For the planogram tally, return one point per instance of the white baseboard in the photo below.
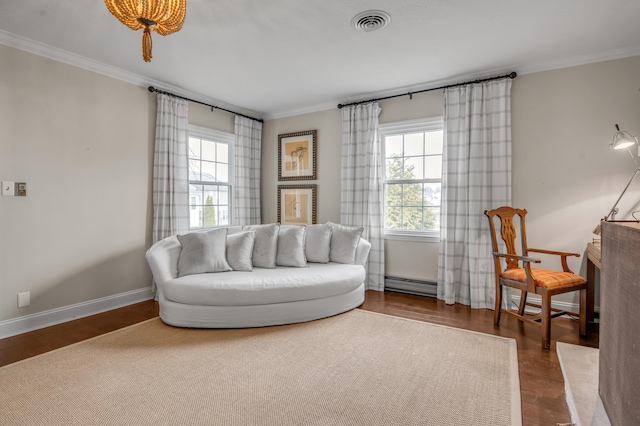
(429, 288)
(55, 316)
(534, 298)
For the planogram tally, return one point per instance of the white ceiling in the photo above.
(283, 57)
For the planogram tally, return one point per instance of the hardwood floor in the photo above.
(37, 342)
(541, 381)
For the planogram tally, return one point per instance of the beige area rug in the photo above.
(358, 368)
(580, 370)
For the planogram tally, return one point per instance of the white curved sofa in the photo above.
(260, 297)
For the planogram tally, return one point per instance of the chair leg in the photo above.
(523, 302)
(498, 307)
(583, 313)
(546, 320)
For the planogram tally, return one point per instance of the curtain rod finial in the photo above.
(513, 74)
(152, 89)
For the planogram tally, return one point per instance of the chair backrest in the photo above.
(508, 232)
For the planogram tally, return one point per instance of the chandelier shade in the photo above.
(162, 16)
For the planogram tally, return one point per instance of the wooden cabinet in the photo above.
(619, 376)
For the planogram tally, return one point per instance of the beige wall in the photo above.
(328, 124)
(201, 115)
(411, 259)
(83, 142)
(417, 260)
(564, 173)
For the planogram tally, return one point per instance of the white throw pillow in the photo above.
(318, 243)
(344, 242)
(203, 252)
(291, 247)
(240, 250)
(266, 244)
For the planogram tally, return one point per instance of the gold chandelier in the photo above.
(162, 16)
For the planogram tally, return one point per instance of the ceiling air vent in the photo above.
(371, 20)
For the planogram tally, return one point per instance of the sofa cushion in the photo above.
(203, 252)
(240, 250)
(318, 242)
(266, 244)
(265, 286)
(344, 242)
(291, 247)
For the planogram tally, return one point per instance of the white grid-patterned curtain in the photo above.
(476, 176)
(361, 201)
(246, 199)
(170, 173)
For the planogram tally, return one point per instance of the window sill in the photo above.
(415, 237)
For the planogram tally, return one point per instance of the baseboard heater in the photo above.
(411, 286)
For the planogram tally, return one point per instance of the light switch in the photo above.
(21, 189)
(8, 189)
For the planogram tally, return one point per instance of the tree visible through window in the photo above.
(413, 176)
(209, 213)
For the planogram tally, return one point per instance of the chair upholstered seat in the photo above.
(512, 267)
(544, 278)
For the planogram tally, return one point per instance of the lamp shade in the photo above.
(623, 140)
(162, 16)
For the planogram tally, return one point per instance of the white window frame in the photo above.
(403, 127)
(220, 137)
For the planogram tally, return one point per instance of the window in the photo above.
(210, 177)
(412, 178)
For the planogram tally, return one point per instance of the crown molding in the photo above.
(69, 58)
(73, 59)
(586, 59)
(574, 61)
(64, 56)
(300, 111)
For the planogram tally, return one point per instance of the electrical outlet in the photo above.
(24, 299)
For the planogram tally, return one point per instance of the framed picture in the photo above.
(297, 155)
(297, 204)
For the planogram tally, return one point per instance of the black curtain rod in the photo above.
(153, 89)
(410, 94)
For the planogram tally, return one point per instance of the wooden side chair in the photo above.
(520, 275)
